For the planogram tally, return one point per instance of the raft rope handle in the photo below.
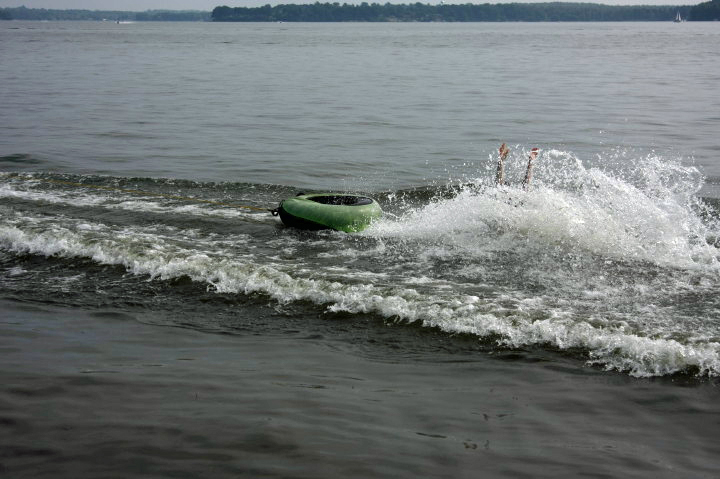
(276, 211)
(163, 195)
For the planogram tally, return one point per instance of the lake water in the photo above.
(158, 322)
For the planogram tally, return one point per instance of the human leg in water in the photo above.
(500, 175)
(528, 173)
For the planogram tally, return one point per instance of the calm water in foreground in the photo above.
(153, 326)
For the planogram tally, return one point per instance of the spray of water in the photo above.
(618, 261)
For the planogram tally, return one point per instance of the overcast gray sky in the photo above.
(140, 5)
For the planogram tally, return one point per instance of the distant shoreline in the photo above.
(23, 13)
(501, 12)
(415, 12)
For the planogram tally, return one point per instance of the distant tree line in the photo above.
(415, 12)
(419, 12)
(23, 13)
(708, 11)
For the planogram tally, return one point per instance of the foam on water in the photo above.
(27, 189)
(608, 246)
(650, 213)
(618, 262)
(145, 253)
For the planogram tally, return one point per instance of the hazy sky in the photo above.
(208, 5)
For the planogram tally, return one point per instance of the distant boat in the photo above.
(678, 18)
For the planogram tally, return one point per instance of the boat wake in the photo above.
(618, 265)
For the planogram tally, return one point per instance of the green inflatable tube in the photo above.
(337, 211)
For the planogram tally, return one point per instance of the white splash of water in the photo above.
(143, 252)
(649, 214)
(643, 216)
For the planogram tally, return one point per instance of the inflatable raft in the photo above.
(341, 212)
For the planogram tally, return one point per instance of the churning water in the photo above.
(621, 266)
